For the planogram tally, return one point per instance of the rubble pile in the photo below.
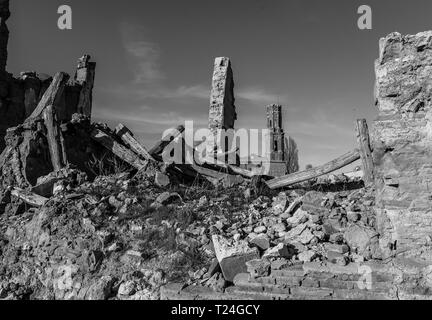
(122, 236)
(87, 212)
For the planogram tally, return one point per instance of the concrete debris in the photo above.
(233, 257)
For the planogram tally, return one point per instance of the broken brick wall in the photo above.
(23, 95)
(20, 96)
(402, 141)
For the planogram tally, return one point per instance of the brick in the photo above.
(337, 284)
(247, 294)
(277, 290)
(311, 292)
(266, 280)
(310, 282)
(291, 272)
(351, 268)
(289, 281)
(358, 295)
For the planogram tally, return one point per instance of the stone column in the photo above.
(402, 142)
(85, 76)
(222, 114)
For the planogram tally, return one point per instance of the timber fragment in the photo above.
(52, 95)
(365, 151)
(55, 139)
(118, 149)
(157, 150)
(29, 197)
(127, 136)
(302, 176)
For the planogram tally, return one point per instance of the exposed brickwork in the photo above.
(308, 282)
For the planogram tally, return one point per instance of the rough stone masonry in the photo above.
(222, 114)
(403, 144)
(20, 96)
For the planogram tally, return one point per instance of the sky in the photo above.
(155, 60)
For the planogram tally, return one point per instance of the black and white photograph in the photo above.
(216, 157)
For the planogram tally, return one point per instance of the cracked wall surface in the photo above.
(402, 141)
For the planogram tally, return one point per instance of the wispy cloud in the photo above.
(262, 96)
(148, 117)
(195, 91)
(144, 54)
(259, 96)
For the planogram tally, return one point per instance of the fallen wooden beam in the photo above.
(29, 197)
(118, 149)
(354, 175)
(242, 172)
(55, 139)
(127, 136)
(365, 151)
(228, 167)
(52, 95)
(157, 150)
(313, 173)
(208, 172)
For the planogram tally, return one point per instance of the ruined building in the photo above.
(20, 96)
(403, 143)
(276, 147)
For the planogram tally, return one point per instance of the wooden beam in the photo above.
(118, 149)
(160, 146)
(222, 165)
(127, 136)
(54, 137)
(208, 172)
(365, 151)
(52, 95)
(243, 172)
(217, 162)
(29, 197)
(302, 176)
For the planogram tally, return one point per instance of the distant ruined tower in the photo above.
(277, 135)
(276, 147)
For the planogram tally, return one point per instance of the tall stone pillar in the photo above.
(85, 76)
(402, 140)
(222, 113)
